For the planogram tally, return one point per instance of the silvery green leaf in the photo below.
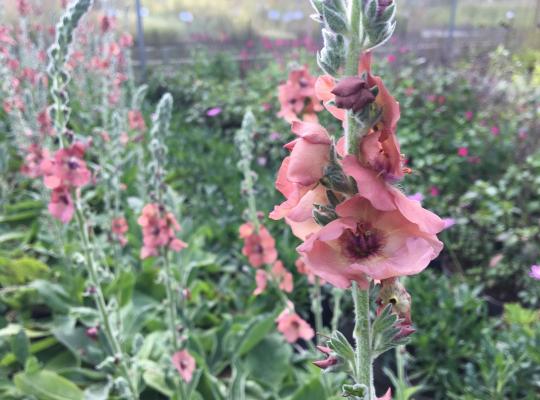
(335, 21)
(339, 343)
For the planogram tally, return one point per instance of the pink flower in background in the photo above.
(275, 136)
(293, 327)
(45, 123)
(495, 131)
(368, 243)
(419, 197)
(159, 229)
(61, 204)
(23, 7)
(66, 168)
(136, 121)
(391, 58)
(297, 97)
(282, 276)
(126, 40)
(434, 191)
(119, 229)
(463, 152)
(409, 91)
(469, 115)
(32, 161)
(261, 280)
(259, 248)
(184, 364)
(535, 272)
(92, 332)
(214, 112)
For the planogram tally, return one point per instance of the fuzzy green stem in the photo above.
(171, 302)
(101, 304)
(354, 49)
(337, 295)
(363, 373)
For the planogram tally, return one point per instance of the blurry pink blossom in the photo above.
(434, 191)
(92, 332)
(66, 168)
(535, 272)
(293, 327)
(463, 152)
(184, 364)
(214, 112)
(261, 279)
(136, 120)
(61, 204)
(469, 115)
(495, 260)
(391, 58)
(495, 131)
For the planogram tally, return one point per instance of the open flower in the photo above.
(61, 204)
(293, 327)
(261, 279)
(184, 364)
(159, 230)
(259, 247)
(66, 168)
(365, 243)
(283, 277)
(299, 175)
(297, 97)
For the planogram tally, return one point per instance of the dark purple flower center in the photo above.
(73, 164)
(361, 243)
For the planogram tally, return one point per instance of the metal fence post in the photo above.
(140, 38)
(452, 29)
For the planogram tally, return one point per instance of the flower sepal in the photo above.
(356, 391)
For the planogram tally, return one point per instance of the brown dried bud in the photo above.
(352, 93)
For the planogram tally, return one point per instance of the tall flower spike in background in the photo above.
(358, 228)
(159, 229)
(259, 245)
(66, 172)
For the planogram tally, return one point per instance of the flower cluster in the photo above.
(292, 326)
(62, 173)
(298, 98)
(119, 228)
(259, 246)
(355, 224)
(159, 229)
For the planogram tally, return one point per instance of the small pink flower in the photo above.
(463, 152)
(434, 191)
(391, 58)
(495, 131)
(293, 327)
(214, 112)
(261, 279)
(119, 229)
(92, 332)
(409, 91)
(535, 272)
(67, 168)
(184, 364)
(259, 248)
(283, 277)
(469, 115)
(32, 161)
(23, 7)
(136, 121)
(61, 204)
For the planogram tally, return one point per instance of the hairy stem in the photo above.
(316, 306)
(101, 304)
(172, 316)
(363, 373)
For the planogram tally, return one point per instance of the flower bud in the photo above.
(330, 360)
(352, 93)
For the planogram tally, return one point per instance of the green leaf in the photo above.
(47, 385)
(20, 271)
(20, 346)
(269, 361)
(339, 343)
(313, 390)
(256, 332)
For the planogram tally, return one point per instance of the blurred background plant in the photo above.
(471, 127)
